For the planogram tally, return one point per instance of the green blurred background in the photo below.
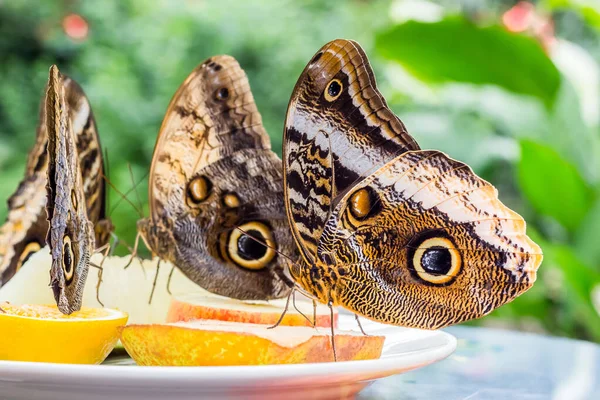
(511, 88)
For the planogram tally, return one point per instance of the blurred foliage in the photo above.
(514, 107)
(504, 53)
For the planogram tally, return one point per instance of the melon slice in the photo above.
(209, 306)
(221, 343)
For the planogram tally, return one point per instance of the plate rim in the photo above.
(336, 372)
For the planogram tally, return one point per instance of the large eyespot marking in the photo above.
(222, 94)
(364, 203)
(230, 200)
(333, 90)
(68, 259)
(198, 190)
(247, 252)
(27, 252)
(436, 260)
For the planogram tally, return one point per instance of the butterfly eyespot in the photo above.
(251, 246)
(222, 94)
(68, 259)
(230, 200)
(29, 250)
(73, 200)
(363, 203)
(198, 190)
(333, 90)
(436, 260)
(316, 58)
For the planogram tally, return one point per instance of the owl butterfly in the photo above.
(393, 233)
(215, 188)
(71, 233)
(24, 231)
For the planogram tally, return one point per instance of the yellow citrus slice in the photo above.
(42, 333)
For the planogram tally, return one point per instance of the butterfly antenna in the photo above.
(137, 194)
(122, 196)
(131, 189)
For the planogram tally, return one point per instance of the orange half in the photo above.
(42, 333)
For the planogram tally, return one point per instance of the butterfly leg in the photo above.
(115, 243)
(169, 280)
(154, 283)
(287, 304)
(134, 250)
(314, 313)
(100, 273)
(359, 325)
(330, 304)
(105, 250)
(299, 312)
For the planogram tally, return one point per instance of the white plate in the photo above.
(404, 350)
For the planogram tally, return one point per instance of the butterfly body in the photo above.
(391, 232)
(214, 182)
(71, 235)
(24, 231)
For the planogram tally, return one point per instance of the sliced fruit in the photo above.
(220, 343)
(124, 289)
(42, 333)
(209, 306)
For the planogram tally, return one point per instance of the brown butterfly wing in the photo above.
(71, 234)
(24, 231)
(213, 173)
(91, 162)
(338, 130)
(390, 232)
(424, 242)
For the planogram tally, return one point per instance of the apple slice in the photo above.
(208, 306)
(220, 343)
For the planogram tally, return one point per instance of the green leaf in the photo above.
(581, 281)
(552, 185)
(586, 236)
(589, 9)
(456, 49)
